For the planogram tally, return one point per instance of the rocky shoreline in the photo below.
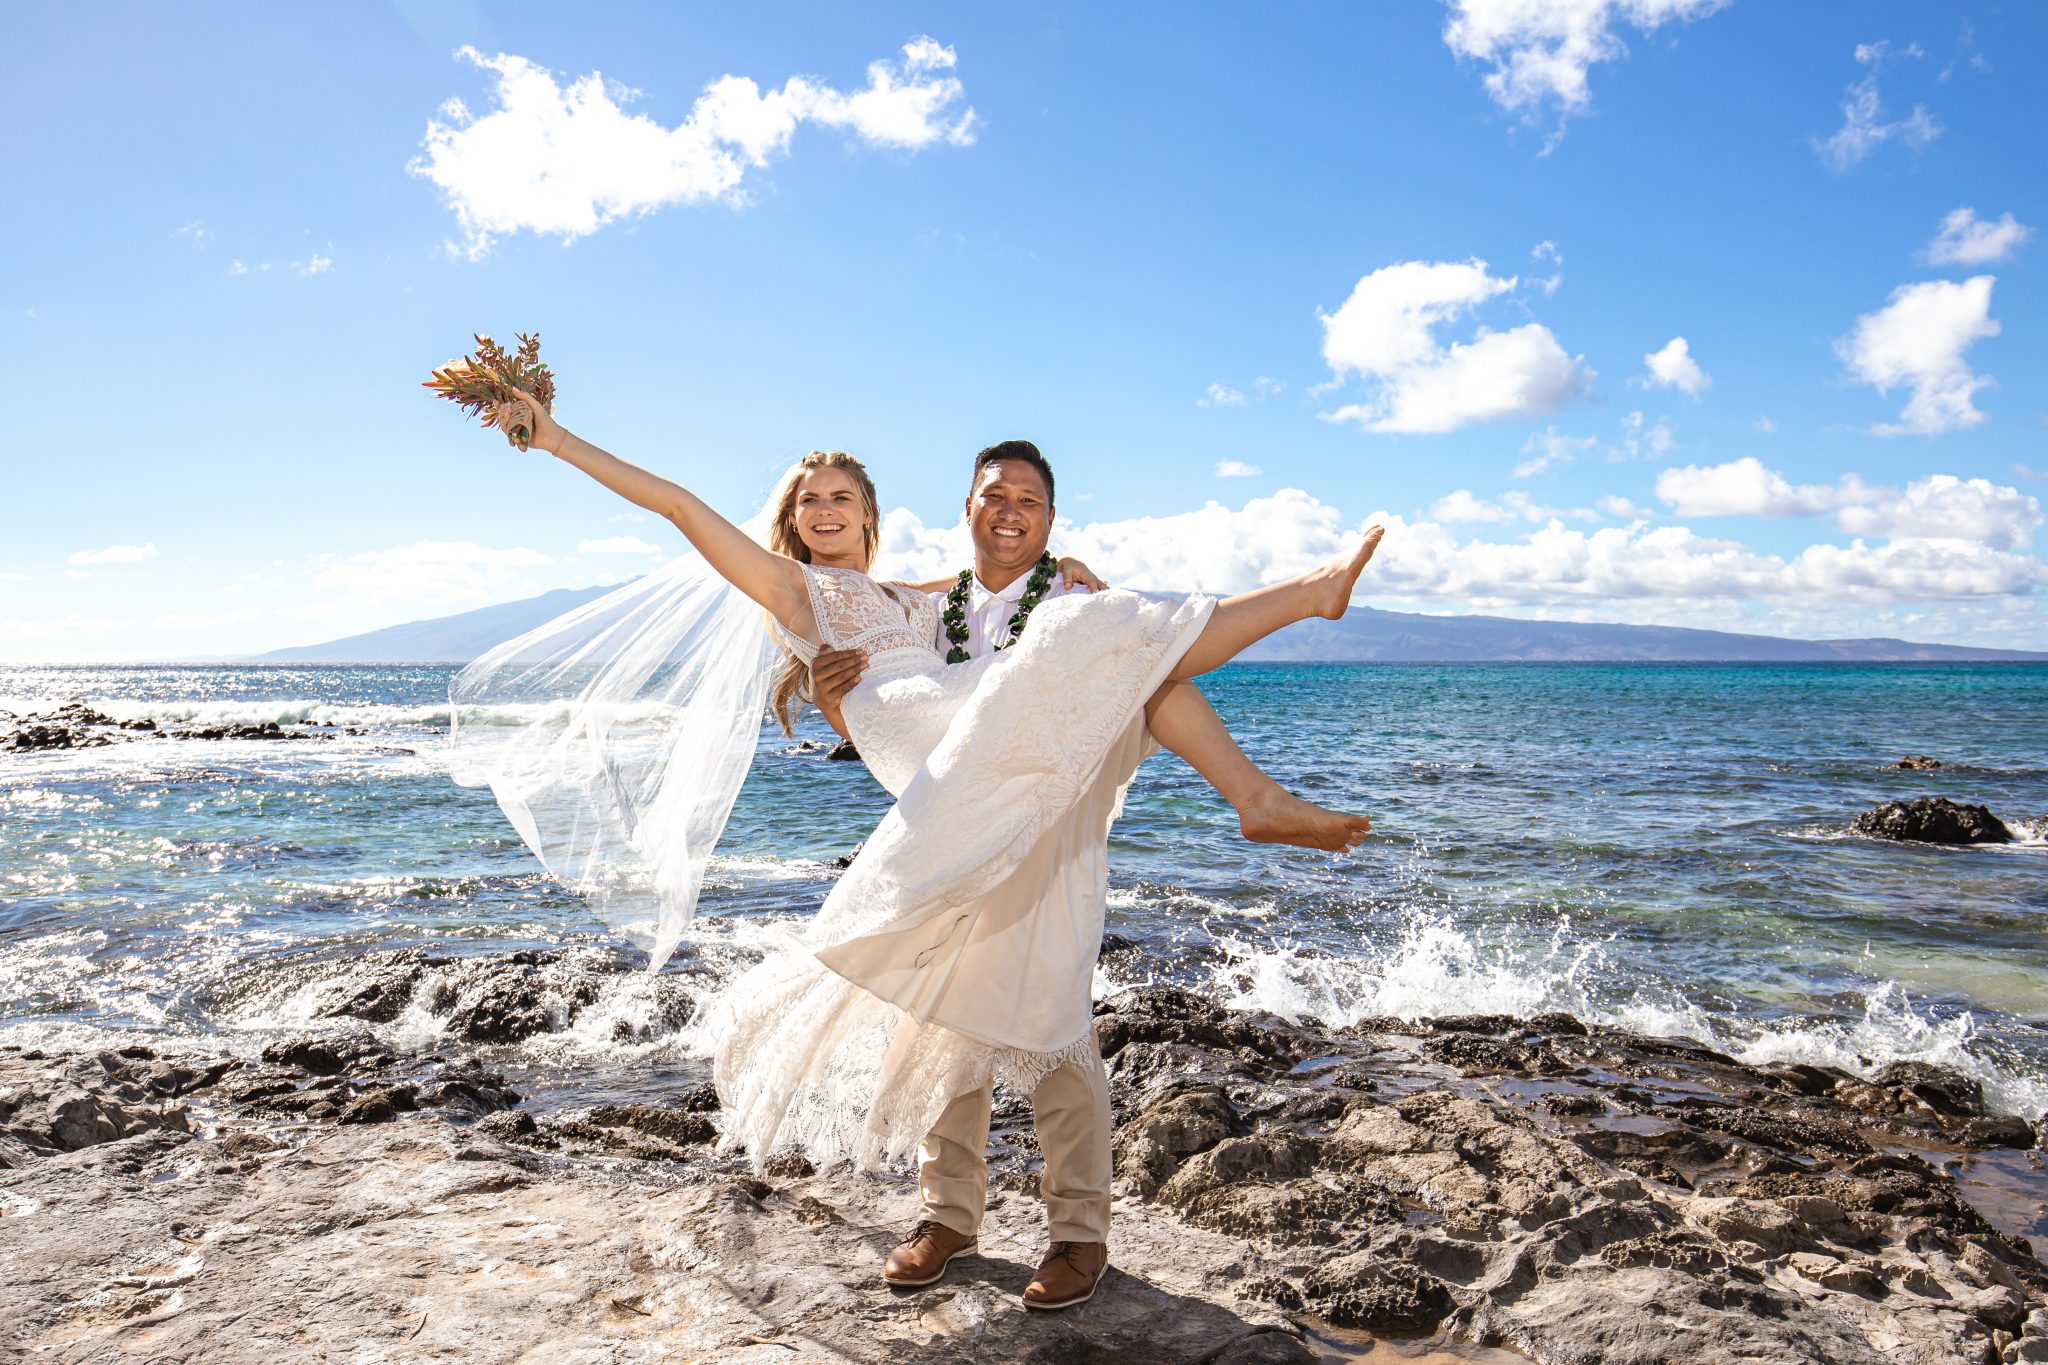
(1287, 1192)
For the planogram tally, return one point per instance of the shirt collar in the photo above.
(1013, 593)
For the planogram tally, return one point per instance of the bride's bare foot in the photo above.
(1280, 817)
(1335, 580)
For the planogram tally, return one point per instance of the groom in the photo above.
(1010, 513)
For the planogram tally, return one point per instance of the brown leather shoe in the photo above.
(1068, 1275)
(922, 1257)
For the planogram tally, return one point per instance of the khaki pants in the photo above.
(1070, 1110)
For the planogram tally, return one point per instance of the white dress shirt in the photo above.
(989, 613)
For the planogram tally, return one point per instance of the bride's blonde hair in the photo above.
(794, 680)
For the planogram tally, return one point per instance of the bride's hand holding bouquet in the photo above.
(513, 393)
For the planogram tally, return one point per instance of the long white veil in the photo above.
(616, 737)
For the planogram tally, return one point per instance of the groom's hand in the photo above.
(833, 674)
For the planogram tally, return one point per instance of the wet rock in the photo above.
(1168, 1014)
(380, 1105)
(807, 748)
(678, 1126)
(845, 860)
(843, 752)
(325, 1056)
(1939, 1090)
(507, 1127)
(269, 729)
(2006, 1130)
(1932, 820)
(1916, 763)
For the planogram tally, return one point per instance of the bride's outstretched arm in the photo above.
(773, 580)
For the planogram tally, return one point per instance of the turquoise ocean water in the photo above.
(1662, 846)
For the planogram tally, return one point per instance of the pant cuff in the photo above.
(960, 1220)
(1080, 1232)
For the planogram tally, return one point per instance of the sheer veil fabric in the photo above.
(616, 738)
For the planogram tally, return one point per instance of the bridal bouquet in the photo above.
(484, 384)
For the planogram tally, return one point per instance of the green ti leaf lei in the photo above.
(955, 614)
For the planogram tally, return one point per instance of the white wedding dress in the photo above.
(960, 945)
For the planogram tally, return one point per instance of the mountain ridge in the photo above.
(1367, 634)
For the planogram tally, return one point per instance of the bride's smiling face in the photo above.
(831, 518)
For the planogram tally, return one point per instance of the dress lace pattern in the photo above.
(960, 945)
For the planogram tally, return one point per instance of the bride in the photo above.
(928, 972)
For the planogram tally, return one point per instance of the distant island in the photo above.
(1366, 635)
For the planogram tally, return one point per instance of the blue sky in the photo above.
(1250, 277)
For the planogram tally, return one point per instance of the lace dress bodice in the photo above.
(854, 611)
(899, 710)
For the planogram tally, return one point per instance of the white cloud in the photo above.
(1230, 396)
(1644, 571)
(1917, 340)
(617, 545)
(1674, 368)
(1741, 488)
(1236, 469)
(318, 265)
(1943, 506)
(429, 571)
(237, 268)
(1547, 251)
(1763, 426)
(196, 231)
(1938, 507)
(1620, 508)
(1643, 440)
(186, 621)
(1965, 239)
(65, 625)
(1551, 447)
(565, 161)
(1384, 334)
(1462, 506)
(1541, 50)
(1863, 127)
(115, 554)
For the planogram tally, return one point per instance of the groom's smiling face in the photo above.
(1010, 517)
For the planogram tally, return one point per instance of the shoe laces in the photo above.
(1068, 1252)
(926, 1229)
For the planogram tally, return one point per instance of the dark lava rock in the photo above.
(1916, 763)
(844, 752)
(1940, 1089)
(1390, 1298)
(1932, 820)
(510, 1126)
(380, 1105)
(670, 1125)
(324, 1056)
(805, 748)
(2007, 1130)
(845, 860)
(1168, 1014)
(269, 729)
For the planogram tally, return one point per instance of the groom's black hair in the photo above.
(1022, 451)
